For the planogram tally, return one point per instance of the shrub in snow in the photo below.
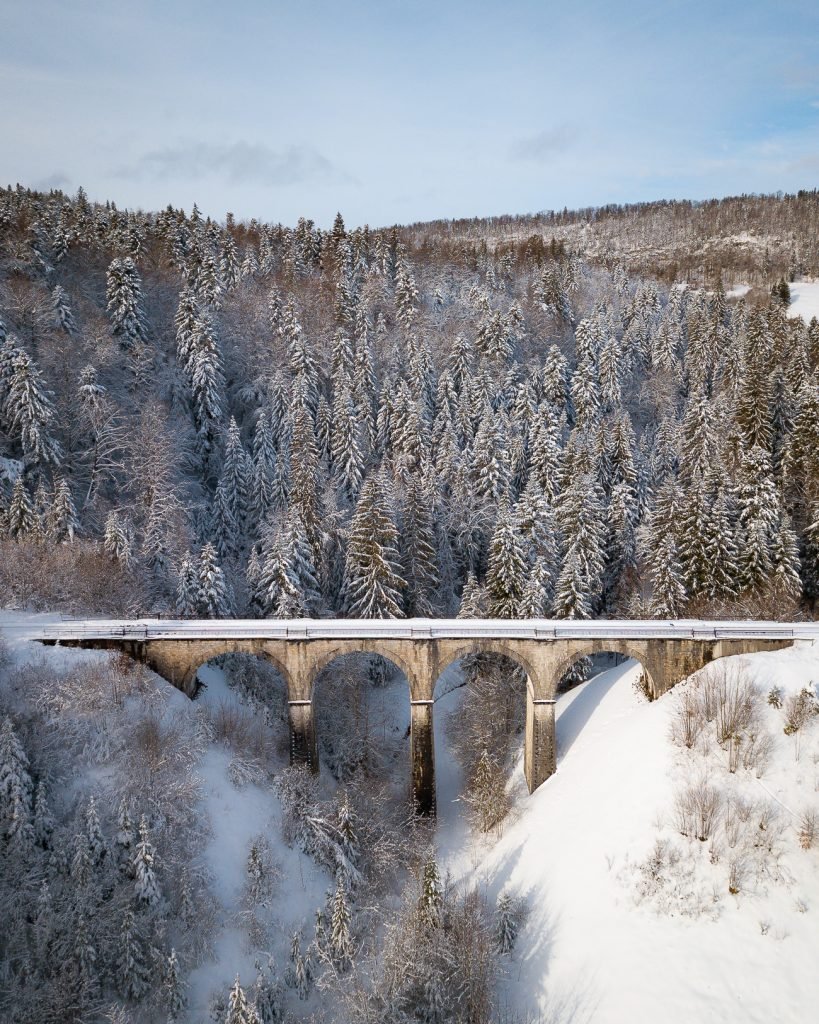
(808, 828)
(688, 720)
(697, 807)
(800, 708)
(775, 697)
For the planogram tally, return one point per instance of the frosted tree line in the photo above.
(257, 420)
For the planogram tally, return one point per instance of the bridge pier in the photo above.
(303, 745)
(540, 747)
(422, 756)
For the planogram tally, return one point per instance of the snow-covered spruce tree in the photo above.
(63, 317)
(506, 576)
(506, 923)
(146, 885)
(239, 1010)
(206, 380)
(759, 515)
(133, 975)
(236, 474)
(22, 521)
(473, 599)
(373, 584)
(213, 599)
(579, 584)
(28, 411)
(187, 588)
(430, 902)
(125, 839)
(340, 943)
(16, 788)
(346, 449)
(124, 296)
(668, 594)
(173, 988)
(785, 554)
(419, 554)
(62, 516)
(286, 585)
(117, 541)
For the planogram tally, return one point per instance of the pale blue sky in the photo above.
(402, 110)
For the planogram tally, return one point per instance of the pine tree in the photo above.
(580, 581)
(431, 900)
(372, 576)
(124, 296)
(506, 924)
(341, 943)
(29, 412)
(419, 554)
(668, 591)
(146, 885)
(173, 987)
(62, 516)
(133, 976)
(506, 577)
(63, 317)
(786, 562)
(117, 541)
(22, 519)
(187, 588)
(213, 598)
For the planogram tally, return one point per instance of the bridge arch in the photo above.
(566, 663)
(321, 661)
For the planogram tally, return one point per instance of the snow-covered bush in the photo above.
(484, 734)
(441, 971)
(808, 828)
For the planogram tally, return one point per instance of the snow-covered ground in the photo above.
(590, 951)
(804, 300)
(737, 291)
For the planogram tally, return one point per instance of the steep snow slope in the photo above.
(590, 951)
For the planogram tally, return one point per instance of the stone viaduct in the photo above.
(422, 650)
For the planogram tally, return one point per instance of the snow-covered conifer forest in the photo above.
(602, 413)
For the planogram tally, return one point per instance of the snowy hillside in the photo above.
(594, 949)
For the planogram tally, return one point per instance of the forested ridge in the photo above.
(507, 417)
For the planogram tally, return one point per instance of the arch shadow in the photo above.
(573, 718)
(247, 694)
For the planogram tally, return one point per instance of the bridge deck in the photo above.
(408, 629)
